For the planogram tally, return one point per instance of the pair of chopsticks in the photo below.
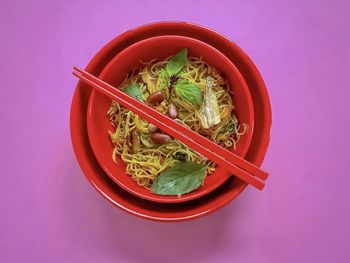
(238, 166)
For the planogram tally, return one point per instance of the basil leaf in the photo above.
(134, 91)
(189, 91)
(180, 179)
(176, 63)
(164, 83)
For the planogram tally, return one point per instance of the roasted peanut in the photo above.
(152, 128)
(172, 111)
(160, 138)
(156, 97)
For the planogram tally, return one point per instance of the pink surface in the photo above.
(50, 213)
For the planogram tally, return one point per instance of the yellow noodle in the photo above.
(147, 162)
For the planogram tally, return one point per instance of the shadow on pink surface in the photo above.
(114, 231)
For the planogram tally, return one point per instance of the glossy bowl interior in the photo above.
(129, 59)
(180, 211)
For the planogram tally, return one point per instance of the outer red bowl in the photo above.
(181, 211)
(115, 72)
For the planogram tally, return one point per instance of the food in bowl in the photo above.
(195, 95)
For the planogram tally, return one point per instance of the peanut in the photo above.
(160, 138)
(156, 97)
(152, 128)
(172, 111)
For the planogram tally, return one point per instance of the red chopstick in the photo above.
(235, 164)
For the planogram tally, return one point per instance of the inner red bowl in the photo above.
(115, 72)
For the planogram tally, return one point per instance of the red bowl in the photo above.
(115, 72)
(181, 211)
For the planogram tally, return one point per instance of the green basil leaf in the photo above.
(134, 91)
(190, 92)
(180, 179)
(164, 82)
(176, 63)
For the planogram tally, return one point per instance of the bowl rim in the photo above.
(132, 186)
(81, 93)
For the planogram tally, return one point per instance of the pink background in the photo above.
(50, 213)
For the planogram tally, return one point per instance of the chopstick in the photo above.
(246, 171)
